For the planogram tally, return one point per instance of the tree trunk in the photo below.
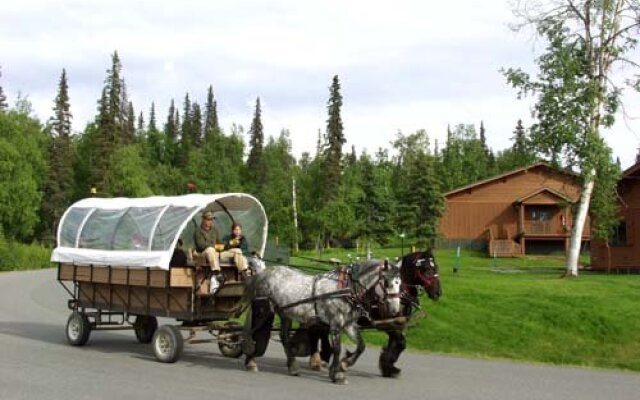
(578, 225)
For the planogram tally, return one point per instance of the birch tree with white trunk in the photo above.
(578, 89)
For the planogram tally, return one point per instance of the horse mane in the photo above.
(409, 261)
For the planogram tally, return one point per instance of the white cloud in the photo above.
(403, 64)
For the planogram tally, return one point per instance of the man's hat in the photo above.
(207, 215)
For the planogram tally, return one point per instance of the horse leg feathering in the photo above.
(354, 334)
(335, 371)
(292, 364)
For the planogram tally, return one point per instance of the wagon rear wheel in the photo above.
(78, 329)
(145, 326)
(167, 344)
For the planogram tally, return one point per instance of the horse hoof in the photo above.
(251, 366)
(315, 363)
(391, 372)
(340, 379)
(344, 366)
(294, 370)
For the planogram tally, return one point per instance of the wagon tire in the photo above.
(229, 349)
(231, 345)
(78, 329)
(145, 326)
(167, 344)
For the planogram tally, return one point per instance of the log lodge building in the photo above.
(622, 252)
(524, 211)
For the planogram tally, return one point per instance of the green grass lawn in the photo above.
(519, 308)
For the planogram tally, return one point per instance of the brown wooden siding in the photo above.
(490, 205)
(465, 220)
(622, 256)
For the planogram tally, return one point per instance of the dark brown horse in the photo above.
(417, 270)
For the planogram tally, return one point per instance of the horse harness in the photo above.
(409, 292)
(349, 289)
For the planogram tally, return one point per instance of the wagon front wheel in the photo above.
(78, 329)
(167, 344)
(230, 347)
(145, 326)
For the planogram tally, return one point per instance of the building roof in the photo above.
(510, 173)
(555, 193)
(632, 170)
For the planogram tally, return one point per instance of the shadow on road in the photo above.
(199, 356)
(268, 365)
(41, 332)
(107, 342)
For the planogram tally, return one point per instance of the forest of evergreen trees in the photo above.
(341, 196)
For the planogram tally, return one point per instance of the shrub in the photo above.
(16, 256)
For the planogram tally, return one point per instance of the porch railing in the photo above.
(542, 228)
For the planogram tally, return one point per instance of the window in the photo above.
(541, 214)
(619, 237)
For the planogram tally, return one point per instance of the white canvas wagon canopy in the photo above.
(144, 232)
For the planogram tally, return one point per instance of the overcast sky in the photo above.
(404, 65)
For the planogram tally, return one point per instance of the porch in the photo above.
(543, 222)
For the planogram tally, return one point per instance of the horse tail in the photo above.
(250, 284)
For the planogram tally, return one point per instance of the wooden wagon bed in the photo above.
(171, 293)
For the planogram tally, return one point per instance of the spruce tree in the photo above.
(196, 125)
(59, 184)
(211, 124)
(519, 140)
(152, 118)
(375, 206)
(130, 125)
(116, 93)
(255, 162)
(61, 121)
(3, 97)
(425, 197)
(335, 140)
(110, 130)
(187, 134)
(140, 127)
(416, 183)
(171, 135)
(483, 137)
(319, 144)
(155, 149)
(179, 160)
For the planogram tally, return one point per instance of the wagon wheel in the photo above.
(78, 329)
(167, 344)
(145, 326)
(230, 340)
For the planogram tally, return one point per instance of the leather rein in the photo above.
(349, 289)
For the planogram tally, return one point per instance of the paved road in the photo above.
(36, 363)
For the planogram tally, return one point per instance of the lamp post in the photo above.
(402, 235)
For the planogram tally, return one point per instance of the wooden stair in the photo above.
(502, 247)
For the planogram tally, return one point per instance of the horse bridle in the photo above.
(427, 281)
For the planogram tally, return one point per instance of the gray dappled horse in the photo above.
(334, 298)
(417, 270)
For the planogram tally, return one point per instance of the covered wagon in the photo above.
(124, 262)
